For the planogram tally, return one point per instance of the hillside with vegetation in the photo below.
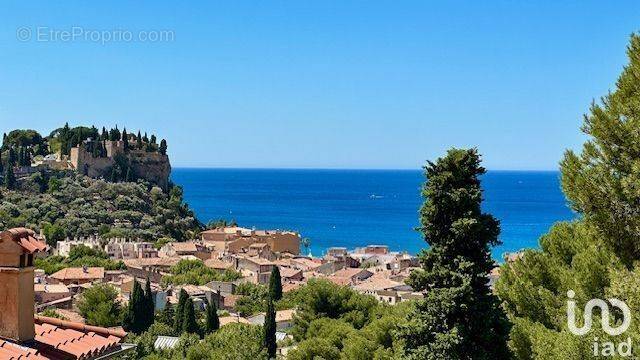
(64, 203)
(68, 204)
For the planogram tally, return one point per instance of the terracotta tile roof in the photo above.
(59, 339)
(217, 264)
(184, 246)
(164, 261)
(26, 238)
(342, 281)
(351, 272)
(75, 339)
(11, 351)
(289, 272)
(374, 284)
(79, 273)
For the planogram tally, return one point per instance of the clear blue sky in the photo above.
(331, 84)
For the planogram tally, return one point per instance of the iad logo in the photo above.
(606, 348)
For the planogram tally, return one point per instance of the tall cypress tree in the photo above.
(275, 284)
(167, 316)
(189, 323)
(139, 141)
(149, 304)
(179, 313)
(459, 318)
(212, 321)
(269, 328)
(163, 147)
(135, 319)
(12, 158)
(10, 181)
(1, 164)
(125, 139)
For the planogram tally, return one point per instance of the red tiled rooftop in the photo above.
(60, 339)
(79, 273)
(26, 238)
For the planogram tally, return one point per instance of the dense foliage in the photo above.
(75, 205)
(459, 318)
(597, 255)
(141, 309)
(194, 272)
(335, 322)
(99, 306)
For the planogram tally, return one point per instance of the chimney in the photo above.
(17, 247)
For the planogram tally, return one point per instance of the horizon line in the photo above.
(339, 168)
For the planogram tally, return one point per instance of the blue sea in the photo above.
(353, 208)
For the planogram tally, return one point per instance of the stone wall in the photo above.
(151, 166)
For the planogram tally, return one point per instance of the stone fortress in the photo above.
(151, 166)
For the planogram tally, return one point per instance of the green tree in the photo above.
(167, 315)
(269, 339)
(231, 342)
(189, 323)
(99, 306)
(459, 315)
(597, 255)
(125, 139)
(212, 321)
(139, 141)
(314, 349)
(150, 306)
(275, 284)
(179, 314)
(10, 181)
(12, 157)
(163, 147)
(136, 318)
(53, 234)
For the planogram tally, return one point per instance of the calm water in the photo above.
(353, 208)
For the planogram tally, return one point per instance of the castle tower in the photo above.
(17, 247)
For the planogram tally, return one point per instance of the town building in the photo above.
(233, 239)
(27, 336)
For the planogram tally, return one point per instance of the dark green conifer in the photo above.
(269, 335)
(179, 313)
(189, 323)
(167, 316)
(10, 178)
(11, 161)
(125, 139)
(459, 318)
(135, 318)
(139, 141)
(275, 284)
(163, 147)
(150, 305)
(212, 320)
